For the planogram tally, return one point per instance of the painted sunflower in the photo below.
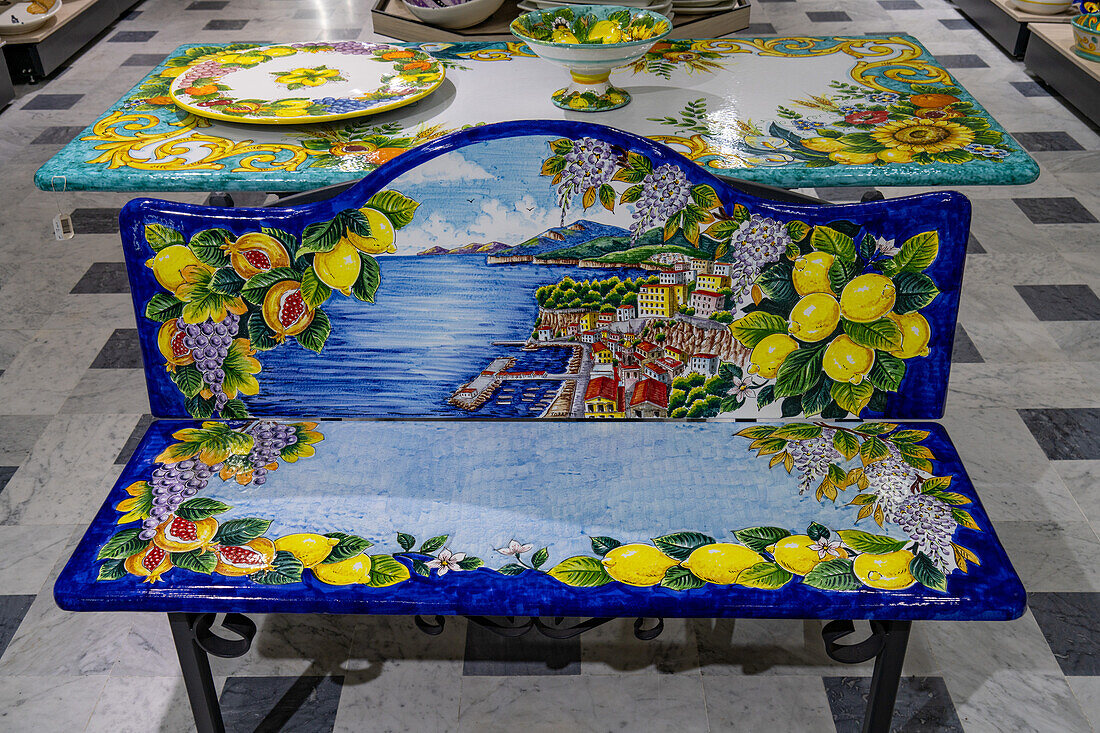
(917, 135)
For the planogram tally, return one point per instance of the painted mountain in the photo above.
(474, 248)
(620, 249)
(560, 238)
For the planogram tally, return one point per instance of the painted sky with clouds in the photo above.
(486, 192)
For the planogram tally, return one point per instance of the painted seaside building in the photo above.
(646, 351)
(674, 367)
(706, 302)
(712, 282)
(601, 353)
(588, 321)
(649, 398)
(572, 329)
(705, 364)
(545, 333)
(605, 319)
(721, 268)
(603, 398)
(673, 276)
(588, 337)
(625, 313)
(700, 266)
(653, 370)
(659, 301)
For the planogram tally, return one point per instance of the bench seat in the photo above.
(688, 503)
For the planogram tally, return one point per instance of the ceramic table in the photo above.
(790, 112)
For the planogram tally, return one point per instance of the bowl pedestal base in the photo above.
(590, 93)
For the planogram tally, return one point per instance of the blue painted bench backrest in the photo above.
(547, 269)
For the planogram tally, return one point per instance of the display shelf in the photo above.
(1005, 23)
(32, 56)
(1050, 56)
(393, 19)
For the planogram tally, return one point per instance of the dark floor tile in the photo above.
(103, 277)
(974, 247)
(12, 611)
(280, 704)
(57, 135)
(964, 351)
(53, 101)
(6, 472)
(491, 655)
(131, 37)
(828, 16)
(956, 24)
(1029, 88)
(207, 5)
(1061, 302)
(144, 59)
(122, 351)
(758, 29)
(900, 4)
(132, 15)
(1055, 210)
(923, 705)
(961, 61)
(1037, 142)
(95, 221)
(134, 439)
(1069, 434)
(220, 24)
(1071, 624)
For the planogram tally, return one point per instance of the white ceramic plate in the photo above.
(24, 17)
(296, 83)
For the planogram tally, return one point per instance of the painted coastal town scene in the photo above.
(541, 277)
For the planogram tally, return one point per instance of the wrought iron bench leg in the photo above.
(886, 646)
(194, 641)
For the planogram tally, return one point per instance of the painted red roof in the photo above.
(707, 293)
(651, 391)
(704, 356)
(602, 387)
(645, 346)
(599, 346)
(656, 369)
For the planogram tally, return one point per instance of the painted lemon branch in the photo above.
(230, 297)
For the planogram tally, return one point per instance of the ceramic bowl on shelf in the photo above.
(23, 17)
(590, 41)
(1043, 7)
(452, 13)
(1086, 33)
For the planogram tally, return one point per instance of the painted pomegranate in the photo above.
(182, 535)
(285, 311)
(254, 253)
(245, 559)
(170, 341)
(150, 563)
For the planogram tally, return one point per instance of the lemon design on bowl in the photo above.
(915, 333)
(170, 265)
(885, 572)
(768, 355)
(814, 317)
(382, 235)
(309, 548)
(637, 564)
(811, 273)
(338, 268)
(722, 562)
(794, 555)
(346, 572)
(846, 361)
(868, 298)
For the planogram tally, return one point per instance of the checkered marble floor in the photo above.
(1024, 410)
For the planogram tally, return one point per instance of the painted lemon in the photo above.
(637, 564)
(823, 144)
(915, 333)
(346, 572)
(846, 361)
(767, 355)
(885, 572)
(868, 298)
(381, 233)
(811, 273)
(814, 317)
(563, 36)
(311, 549)
(721, 562)
(169, 264)
(893, 155)
(338, 268)
(794, 554)
(606, 31)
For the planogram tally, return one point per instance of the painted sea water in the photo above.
(430, 330)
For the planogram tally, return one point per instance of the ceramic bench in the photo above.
(598, 276)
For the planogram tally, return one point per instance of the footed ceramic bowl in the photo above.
(1086, 33)
(1043, 7)
(452, 13)
(590, 41)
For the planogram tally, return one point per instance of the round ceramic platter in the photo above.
(24, 17)
(302, 83)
